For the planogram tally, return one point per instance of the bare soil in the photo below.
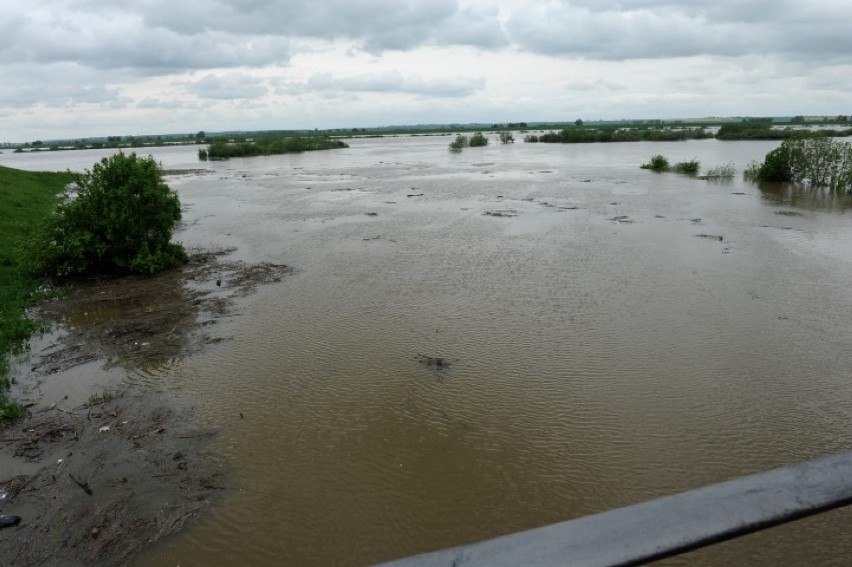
(95, 482)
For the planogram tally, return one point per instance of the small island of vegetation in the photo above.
(268, 145)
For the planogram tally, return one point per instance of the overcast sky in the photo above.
(76, 68)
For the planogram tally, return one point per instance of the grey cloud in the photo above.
(636, 29)
(156, 36)
(396, 82)
(54, 85)
(379, 23)
(113, 39)
(225, 87)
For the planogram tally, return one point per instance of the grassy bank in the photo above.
(25, 199)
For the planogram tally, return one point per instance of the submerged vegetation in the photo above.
(658, 163)
(478, 140)
(586, 134)
(26, 198)
(763, 130)
(817, 163)
(506, 137)
(459, 143)
(690, 167)
(268, 145)
(724, 171)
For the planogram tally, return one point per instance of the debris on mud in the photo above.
(133, 320)
(789, 213)
(622, 219)
(711, 236)
(98, 499)
(93, 483)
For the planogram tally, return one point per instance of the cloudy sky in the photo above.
(76, 68)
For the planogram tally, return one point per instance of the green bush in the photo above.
(531, 139)
(658, 163)
(120, 222)
(506, 137)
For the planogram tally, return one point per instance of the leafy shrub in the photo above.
(478, 140)
(459, 143)
(120, 222)
(658, 163)
(506, 137)
(531, 139)
(690, 167)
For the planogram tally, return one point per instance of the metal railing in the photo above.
(667, 526)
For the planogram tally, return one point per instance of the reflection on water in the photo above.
(802, 197)
(595, 362)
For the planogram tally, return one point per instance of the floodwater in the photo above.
(601, 345)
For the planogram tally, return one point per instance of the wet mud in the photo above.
(92, 483)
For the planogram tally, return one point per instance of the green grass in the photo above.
(26, 198)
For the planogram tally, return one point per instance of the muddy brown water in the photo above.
(599, 344)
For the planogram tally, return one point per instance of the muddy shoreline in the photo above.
(98, 474)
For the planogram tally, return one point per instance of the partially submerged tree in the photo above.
(819, 163)
(121, 221)
(658, 163)
(506, 137)
(459, 143)
(478, 139)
